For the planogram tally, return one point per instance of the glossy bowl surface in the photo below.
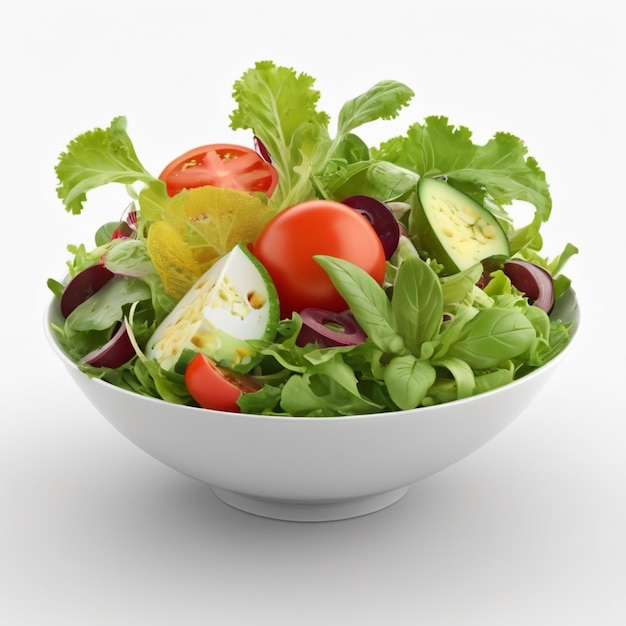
(313, 469)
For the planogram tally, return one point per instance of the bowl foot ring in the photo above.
(313, 511)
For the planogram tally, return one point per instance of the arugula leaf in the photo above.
(382, 101)
(329, 387)
(99, 157)
(265, 401)
(146, 378)
(554, 266)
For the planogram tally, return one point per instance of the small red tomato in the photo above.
(290, 240)
(215, 387)
(220, 165)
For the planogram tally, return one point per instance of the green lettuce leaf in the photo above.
(495, 174)
(97, 158)
(280, 107)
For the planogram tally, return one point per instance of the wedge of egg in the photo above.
(233, 302)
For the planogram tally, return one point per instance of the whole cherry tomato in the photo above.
(290, 240)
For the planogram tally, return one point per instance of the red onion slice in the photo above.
(533, 281)
(379, 215)
(329, 329)
(115, 352)
(84, 285)
(261, 150)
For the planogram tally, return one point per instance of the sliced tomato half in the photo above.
(220, 165)
(216, 387)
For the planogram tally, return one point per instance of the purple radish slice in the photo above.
(84, 285)
(533, 281)
(329, 329)
(115, 352)
(379, 215)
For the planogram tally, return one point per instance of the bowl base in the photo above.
(314, 511)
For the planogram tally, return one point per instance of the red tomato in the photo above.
(220, 165)
(216, 387)
(289, 241)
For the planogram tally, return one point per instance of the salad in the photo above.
(310, 274)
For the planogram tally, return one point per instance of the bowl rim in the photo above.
(569, 297)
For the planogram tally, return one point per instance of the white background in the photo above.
(530, 529)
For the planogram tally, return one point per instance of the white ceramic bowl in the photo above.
(312, 469)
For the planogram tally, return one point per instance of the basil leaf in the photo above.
(367, 301)
(493, 336)
(417, 303)
(462, 373)
(408, 380)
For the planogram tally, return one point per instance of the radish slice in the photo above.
(84, 285)
(533, 281)
(115, 352)
(379, 215)
(329, 329)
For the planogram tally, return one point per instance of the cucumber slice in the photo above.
(453, 228)
(233, 302)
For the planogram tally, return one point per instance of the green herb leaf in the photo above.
(493, 336)
(367, 300)
(327, 389)
(417, 303)
(280, 107)
(96, 158)
(462, 373)
(382, 101)
(495, 174)
(105, 307)
(408, 380)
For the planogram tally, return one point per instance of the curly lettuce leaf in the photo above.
(280, 107)
(495, 174)
(99, 157)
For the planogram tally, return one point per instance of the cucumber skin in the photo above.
(430, 243)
